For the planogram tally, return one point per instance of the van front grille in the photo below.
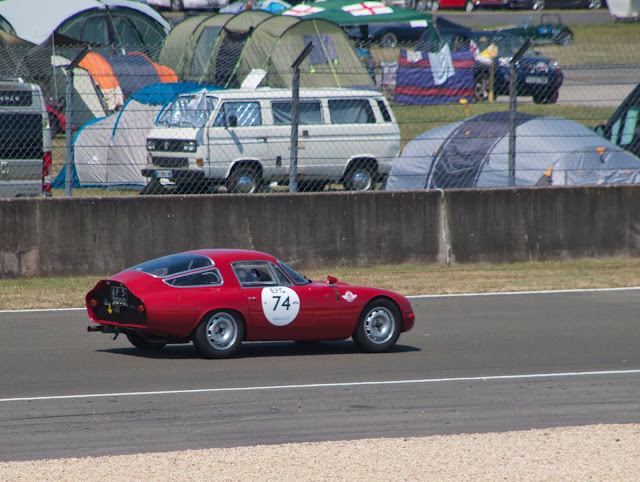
(170, 161)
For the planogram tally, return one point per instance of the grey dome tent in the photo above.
(475, 153)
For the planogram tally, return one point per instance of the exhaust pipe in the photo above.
(100, 328)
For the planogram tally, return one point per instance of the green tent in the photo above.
(350, 12)
(223, 50)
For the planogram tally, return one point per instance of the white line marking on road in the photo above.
(326, 385)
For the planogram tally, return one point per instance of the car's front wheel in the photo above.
(537, 5)
(469, 6)
(379, 326)
(219, 335)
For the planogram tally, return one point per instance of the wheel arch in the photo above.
(241, 318)
(376, 298)
(357, 161)
(250, 163)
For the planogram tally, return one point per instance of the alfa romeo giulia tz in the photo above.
(218, 298)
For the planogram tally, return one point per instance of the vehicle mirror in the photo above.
(332, 279)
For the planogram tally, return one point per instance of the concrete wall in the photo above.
(97, 236)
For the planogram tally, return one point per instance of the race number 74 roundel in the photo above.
(280, 305)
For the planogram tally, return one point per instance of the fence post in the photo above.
(295, 106)
(69, 162)
(513, 92)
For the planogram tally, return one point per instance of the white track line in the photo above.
(325, 385)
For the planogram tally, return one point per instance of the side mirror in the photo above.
(332, 279)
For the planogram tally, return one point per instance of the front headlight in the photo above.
(190, 146)
(504, 61)
(553, 64)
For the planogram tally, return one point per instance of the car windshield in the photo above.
(507, 45)
(294, 275)
(172, 264)
(189, 111)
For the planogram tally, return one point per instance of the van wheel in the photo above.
(481, 88)
(361, 177)
(244, 180)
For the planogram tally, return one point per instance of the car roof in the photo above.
(285, 94)
(230, 255)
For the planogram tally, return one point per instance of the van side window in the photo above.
(309, 113)
(240, 114)
(384, 111)
(351, 111)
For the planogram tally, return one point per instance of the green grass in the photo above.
(410, 279)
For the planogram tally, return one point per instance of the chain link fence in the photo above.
(374, 112)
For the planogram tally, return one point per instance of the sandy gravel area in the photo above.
(597, 452)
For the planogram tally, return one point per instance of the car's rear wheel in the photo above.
(546, 98)
(537, 4)
(244, 180)
(219, 335)
(469, 6)
(594, 4)
(361, 177)
(564, 38)
(388, 41)
(145, 343)
(481, 88)
(379, 326)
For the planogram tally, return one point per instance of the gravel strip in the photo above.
(597, 452)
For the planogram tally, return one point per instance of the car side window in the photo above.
(204, 278)
(239, 114)
(351, 111)
(259, 273)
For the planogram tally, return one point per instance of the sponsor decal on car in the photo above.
(349, 297)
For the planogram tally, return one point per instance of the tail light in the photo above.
(93, 303)
(46, 173)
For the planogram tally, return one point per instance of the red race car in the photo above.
(219, 298)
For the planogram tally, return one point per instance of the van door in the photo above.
(237, 133)
(310, 126)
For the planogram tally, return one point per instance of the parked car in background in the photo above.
(541, 30)
(466, 5)
(25, 140)
(623, 128)
(241, 138)
(218, 298)
(537, 76)
(387, 35)
(180, 5)
(559, 4)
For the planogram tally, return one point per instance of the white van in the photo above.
(241, 139)
(25, 140)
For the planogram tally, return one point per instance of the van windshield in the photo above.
(189, 111)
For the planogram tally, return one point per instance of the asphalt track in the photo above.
(472, 364)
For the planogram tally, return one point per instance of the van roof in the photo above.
(278, 93)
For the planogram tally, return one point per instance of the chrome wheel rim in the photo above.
(362, 181)
(379, 325)
(245, 184)
(222, 331)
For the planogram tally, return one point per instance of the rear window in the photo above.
(351, 111)
(20, 135)
(173, 264)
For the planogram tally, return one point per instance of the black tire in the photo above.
(594, 4)
(469, 6)
(564, 38)
(481, 88)
(244, 180)
(537, 4)
(145, 343)
(361, 177)
(546, 98)
(219, 335)
(379, 326)
(435, 5)
(388, 41)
